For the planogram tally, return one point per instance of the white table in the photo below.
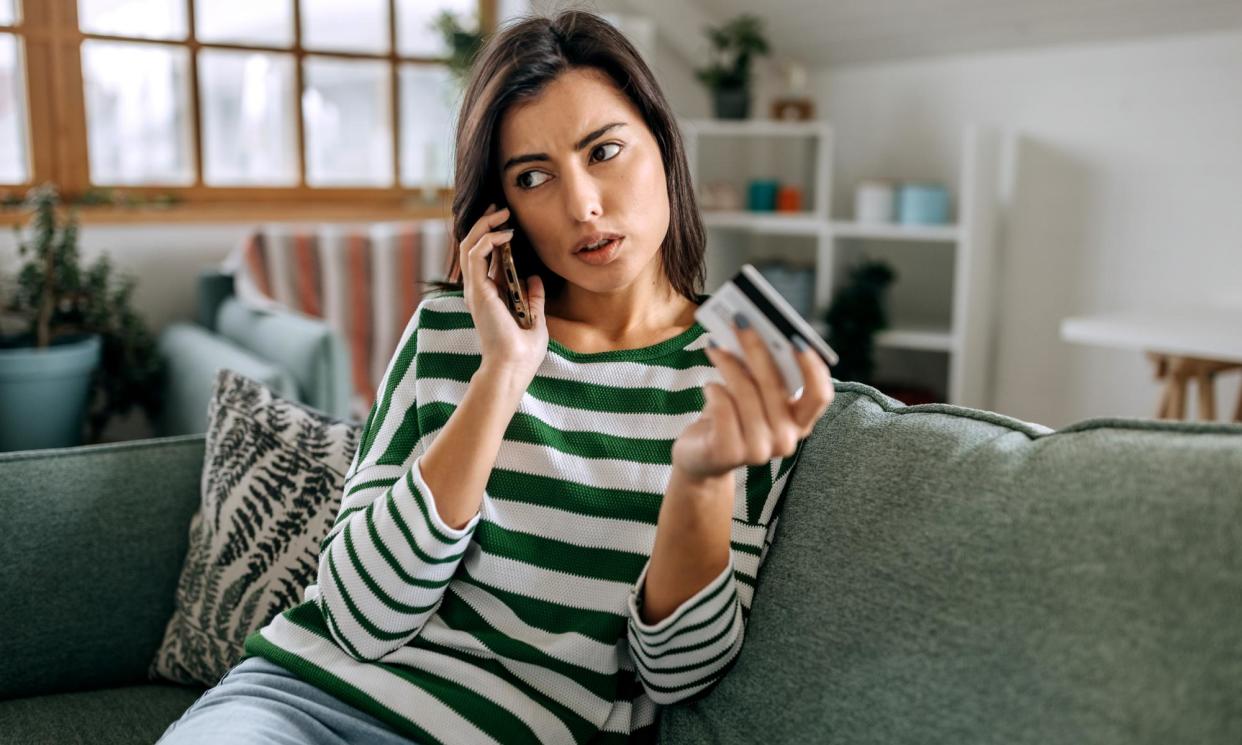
(1184, 341)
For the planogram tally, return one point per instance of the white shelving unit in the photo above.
(965, 341)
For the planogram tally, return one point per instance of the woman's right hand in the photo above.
(503, 342)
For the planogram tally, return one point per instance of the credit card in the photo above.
(770, 314)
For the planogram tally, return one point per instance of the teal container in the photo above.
(44, 393)
(761, 196)
(923, 204)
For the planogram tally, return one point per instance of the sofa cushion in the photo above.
(108, 716)
(273, 473)
(93, 538)
(194, 356)
(942, 574)
(307, 347)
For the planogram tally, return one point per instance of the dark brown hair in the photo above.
(515, 65)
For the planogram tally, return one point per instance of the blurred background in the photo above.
(1028, 207)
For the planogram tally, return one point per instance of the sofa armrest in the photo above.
(194, 355)
(94, 540)
(312, 352)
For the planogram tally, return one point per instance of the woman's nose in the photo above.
(583, 196)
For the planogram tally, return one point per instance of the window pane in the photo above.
(8, 12)
(137, 113)
(259, 22)
(149, 19)
(348, 25)
(14, 167)
(429, 104)
(348, 122)
(248, 118)
(416, 30)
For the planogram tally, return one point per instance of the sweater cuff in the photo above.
(703, 604)
(435, 520)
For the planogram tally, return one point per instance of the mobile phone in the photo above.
(515, 295)
(770, 314)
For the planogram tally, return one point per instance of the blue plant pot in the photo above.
(44, 393)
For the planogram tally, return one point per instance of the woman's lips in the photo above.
(602, 255)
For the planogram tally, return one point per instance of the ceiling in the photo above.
(848, 32)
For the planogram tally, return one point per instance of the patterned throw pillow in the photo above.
(273, 472)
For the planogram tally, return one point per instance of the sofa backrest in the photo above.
(942, 574)
(104, 529)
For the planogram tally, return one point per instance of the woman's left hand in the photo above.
(751, 418)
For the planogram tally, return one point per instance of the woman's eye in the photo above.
(524, 174)
(608, 144)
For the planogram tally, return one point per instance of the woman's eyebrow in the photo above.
(586, 140)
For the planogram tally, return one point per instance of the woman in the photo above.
(546, 533)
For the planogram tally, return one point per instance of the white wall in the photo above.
(1129, 192)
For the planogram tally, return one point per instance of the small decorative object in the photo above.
(789, 199)
(721, 196)
(923, 204)
(875, 202)
(855, 315)
(794, 282)
(761, 196)
(794, 104)
(728, 76)
(80, 352)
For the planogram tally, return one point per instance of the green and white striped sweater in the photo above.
(523, 626)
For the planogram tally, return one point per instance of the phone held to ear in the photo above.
(515, 295)
(770, 314)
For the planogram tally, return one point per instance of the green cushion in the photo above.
(947, 575)
(94, 540)
(111, 716)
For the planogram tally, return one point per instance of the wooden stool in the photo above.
(1177, 371)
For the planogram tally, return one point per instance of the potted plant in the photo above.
(462, 44)
(855, 315)
(79, 354)
(728, 76)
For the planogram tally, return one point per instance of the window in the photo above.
(230, 100)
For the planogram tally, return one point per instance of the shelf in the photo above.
(789, 223)
(756, 127)
(925, 338)
(896, 232)
(908, 336)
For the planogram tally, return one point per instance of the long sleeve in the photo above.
(685, 655)
(691, 649)
(385, 564)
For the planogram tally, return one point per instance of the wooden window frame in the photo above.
(51, 39)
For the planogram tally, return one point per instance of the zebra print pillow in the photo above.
(273, 472)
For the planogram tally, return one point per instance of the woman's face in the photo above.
(614, 182)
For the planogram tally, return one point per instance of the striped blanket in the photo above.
(364, 280)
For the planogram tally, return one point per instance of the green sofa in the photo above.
(939, 575)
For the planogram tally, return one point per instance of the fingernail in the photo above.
(741, 320)
(798, 343)
(712, 343)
